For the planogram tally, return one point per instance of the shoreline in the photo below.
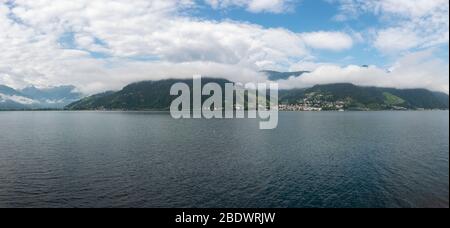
(168, 111)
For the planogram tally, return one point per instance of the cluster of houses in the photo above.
(314, 103)
(298, 107)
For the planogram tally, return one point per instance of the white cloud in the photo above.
(415, 70)
(47, 42)
(17, 99)
(335, 41)
(100, 45)
(255, 6)
(396, 39)
(411, 8)
(407, 24)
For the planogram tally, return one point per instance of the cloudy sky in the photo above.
(100, 45)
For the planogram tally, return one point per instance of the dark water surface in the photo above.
(118, 159)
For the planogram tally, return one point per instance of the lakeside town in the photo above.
(314, 102)
(311, 108)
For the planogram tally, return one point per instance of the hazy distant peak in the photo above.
(33, 97)
(8, 90)
(276, 75)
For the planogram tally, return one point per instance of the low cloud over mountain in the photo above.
(34, 98)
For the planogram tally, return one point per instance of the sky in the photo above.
(99, 45)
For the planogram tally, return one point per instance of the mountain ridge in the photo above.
(154, 95)
(31, 97)
(368, 98)
(277, 76)
(144, 95)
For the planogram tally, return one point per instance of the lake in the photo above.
(145, 159)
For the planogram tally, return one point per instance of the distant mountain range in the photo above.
(154, 95)
(34, 98)
(276, 76)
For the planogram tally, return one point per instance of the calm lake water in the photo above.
(119, 159)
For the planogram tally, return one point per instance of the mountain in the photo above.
(154, 95)
(276, 76)
(367, 98)
(442, 97)
(5, 90)
(147, 95)
(55, 97)
(34, 98)
(11, 99)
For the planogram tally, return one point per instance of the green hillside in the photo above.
(155, 95)
(147, 95)
(367, 98)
